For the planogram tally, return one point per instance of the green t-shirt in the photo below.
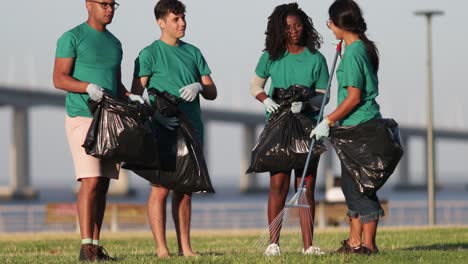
(356, 70)
(172, 67)
(98, 56)
(306, 68)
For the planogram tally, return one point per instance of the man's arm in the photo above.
(122, 92)
(62, 76)
(209, 88)
(139, 84)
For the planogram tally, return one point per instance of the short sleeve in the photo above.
(354, 73)
(321, 73)
(144, 64)
(202, 65)
(263, 66)
(66, 46)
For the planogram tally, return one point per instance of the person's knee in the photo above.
(179, 197)
(158, 194)
(279, 183)
(275, 187)
(103, 185)
(311, 194)
(90, 185)
(279, 189)
(309, 182)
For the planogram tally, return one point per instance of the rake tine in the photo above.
(294, 220)
(274, 227)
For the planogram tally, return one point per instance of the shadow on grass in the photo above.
(171, 257)
(211, 253)
(202, 254)
(435, 247)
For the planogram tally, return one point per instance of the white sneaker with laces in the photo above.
(272, 250)
(313, 251)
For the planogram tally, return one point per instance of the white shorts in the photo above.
(86, 166)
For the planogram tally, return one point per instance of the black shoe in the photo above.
(102, 255)
(347, 249)
(367, 251)
(87, 253)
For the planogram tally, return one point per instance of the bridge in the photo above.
(23, 100)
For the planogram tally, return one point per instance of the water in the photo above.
(230, 209)
(226, 194)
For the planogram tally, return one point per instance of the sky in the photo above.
(231, 36)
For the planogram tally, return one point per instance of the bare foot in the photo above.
(163, 254)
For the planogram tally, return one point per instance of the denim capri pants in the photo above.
(364, 206)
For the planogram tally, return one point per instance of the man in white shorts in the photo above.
(87, 64)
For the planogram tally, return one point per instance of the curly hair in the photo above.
(277, 36)
(347, 15)
(165, 7)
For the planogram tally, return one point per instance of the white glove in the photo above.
(136, 98)
(270, 105)
(190, 92)
(296, 107)
(95, 91)
(322, 129)
(168, 122)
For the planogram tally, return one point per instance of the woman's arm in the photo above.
(348, 104)
(257, 88)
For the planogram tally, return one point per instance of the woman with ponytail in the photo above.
(357, 91)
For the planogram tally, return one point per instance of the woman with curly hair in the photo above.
(290, 58)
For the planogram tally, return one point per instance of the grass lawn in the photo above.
(397, 245)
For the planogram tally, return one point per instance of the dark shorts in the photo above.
(311, 172)
(363, 206)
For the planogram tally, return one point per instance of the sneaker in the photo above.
(102, 255)
(272, 250)
(87, 253)
(313, 251)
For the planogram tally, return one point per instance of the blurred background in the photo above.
(231, 36)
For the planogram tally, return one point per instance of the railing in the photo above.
(31, 218)
(21, 100)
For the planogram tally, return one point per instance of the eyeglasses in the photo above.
(105, 5)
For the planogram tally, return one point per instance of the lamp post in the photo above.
(430, 135)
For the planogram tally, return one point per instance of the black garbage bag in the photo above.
(284, 142)
(182, 166)
(120, 131)
(369, 151)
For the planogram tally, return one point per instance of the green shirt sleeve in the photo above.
(144, 64)
(263, 66)
(66, 46)
(321, 73)
(354, 73)
(202, 65)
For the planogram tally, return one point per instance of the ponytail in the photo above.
(372, 50)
